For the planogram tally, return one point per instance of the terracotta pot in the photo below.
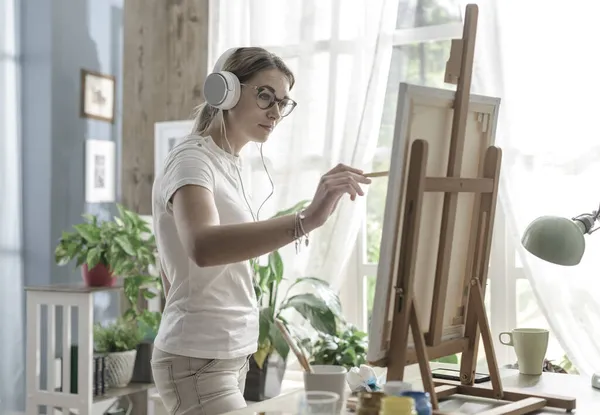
(99, 276)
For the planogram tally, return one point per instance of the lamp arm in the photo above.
(586, 221)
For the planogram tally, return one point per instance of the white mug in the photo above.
(530, 347)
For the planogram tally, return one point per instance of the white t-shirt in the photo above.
(210, 312)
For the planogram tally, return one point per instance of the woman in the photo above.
(207, 234)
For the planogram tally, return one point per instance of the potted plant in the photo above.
(126, 248)
(320, 308)
(118, 341)
(347, 347)
(107, 249)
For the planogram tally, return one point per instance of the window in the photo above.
(422, 46)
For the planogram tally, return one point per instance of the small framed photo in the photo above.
(100, 171)
(98, 96)
(167, 134)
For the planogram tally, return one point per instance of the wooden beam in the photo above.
(164, 65)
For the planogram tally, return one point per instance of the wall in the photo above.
(58, 39)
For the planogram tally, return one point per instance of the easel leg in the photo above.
(477, 302)
(485, 224)
(403, 307)
(421, 350)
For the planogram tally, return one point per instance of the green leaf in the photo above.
(315, 310)
(125, 244)
(88, 232)
(132, 218)
(264, 277)
(148, 295)
(265, 324)
(129, 314)
(73, 248)
(323, 291)
(279, 342)
(257, 292)
(122, 214)
(276, 265)
(93, 257)
(61, 257)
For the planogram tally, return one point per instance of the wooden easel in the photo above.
(405, 316)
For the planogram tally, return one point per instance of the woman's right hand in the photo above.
(334, 184)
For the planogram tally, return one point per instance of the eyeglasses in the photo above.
(265, 99)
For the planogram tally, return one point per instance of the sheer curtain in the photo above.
(541, 58)
(340, 55)
(12, 364)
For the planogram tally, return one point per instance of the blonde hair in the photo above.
(243, 63)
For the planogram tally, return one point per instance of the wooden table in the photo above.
(588, 399)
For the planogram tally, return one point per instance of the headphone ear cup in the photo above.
(222, 90)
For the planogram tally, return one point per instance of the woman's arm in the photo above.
(209, 243)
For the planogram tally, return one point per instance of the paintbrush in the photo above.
(376, 174)
(299, 354)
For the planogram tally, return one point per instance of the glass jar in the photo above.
(397, 405)
(369, 403)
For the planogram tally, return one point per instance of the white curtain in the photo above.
(541, 58)
(340, 55)
(12, 346)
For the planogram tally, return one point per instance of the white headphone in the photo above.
(222, 89)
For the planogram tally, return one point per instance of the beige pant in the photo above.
(188, 385)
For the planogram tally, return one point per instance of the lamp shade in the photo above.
(555, 239)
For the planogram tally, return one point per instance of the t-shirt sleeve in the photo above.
(189, 165)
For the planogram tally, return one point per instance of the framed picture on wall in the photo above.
(100, 171)
(98, 96)
(167, 134)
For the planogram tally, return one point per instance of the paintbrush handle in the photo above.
(377, 174)
(288, 339)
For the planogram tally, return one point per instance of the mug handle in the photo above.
(509, 334)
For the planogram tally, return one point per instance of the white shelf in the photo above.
(64, 299)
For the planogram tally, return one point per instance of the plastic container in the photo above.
(397, 405)
(422, 401)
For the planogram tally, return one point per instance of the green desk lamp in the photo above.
(560, 240)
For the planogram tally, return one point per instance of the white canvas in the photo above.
(426, 113)
(100, 171)
(167, 134)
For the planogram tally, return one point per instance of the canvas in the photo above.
(426, 113)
